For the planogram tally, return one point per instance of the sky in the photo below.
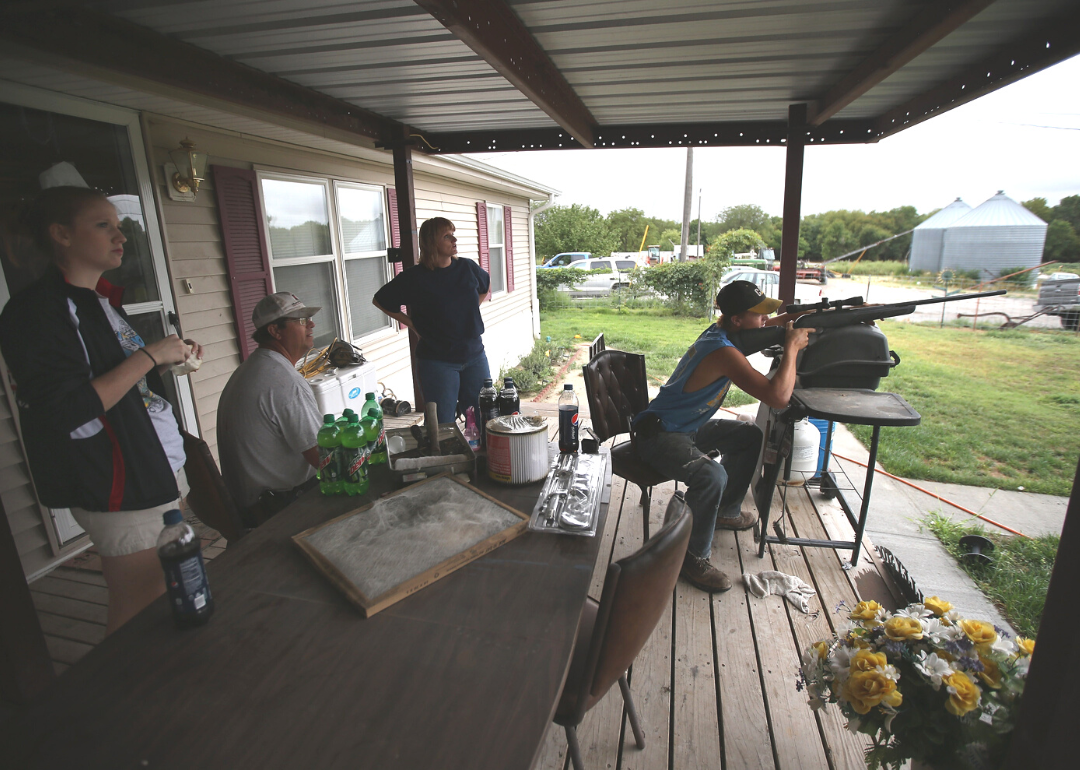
(1023, 139)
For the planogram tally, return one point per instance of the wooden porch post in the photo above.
(25, 668)
(789, 249)
(1046, 725)
(408, 230)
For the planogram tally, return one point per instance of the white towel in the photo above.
(772, 582)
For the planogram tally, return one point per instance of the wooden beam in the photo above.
(493, 30)
(115, 50)
(1057, 41)
(927, 27)
(408, 231)
(793, 174)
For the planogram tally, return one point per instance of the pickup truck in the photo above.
(807, 271)
(1061, 298)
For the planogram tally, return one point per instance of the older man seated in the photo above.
(267, 416)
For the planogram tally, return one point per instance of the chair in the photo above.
(612, 632)
(617, 390)
(209, 498)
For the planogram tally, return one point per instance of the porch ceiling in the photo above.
(477, 75)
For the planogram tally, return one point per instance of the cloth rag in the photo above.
(772, 582)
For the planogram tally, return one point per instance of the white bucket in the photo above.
(517, 450)
(804, 451)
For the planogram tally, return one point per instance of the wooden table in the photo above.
(463, 674)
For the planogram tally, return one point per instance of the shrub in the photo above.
(534, 370)
(683, 285)
(1024, 279)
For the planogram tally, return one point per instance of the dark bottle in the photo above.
(185, 574)
(568, 419)
(489, 407)
(509, 403)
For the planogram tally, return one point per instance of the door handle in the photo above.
(174, 321)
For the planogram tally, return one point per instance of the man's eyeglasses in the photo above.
(303, 321)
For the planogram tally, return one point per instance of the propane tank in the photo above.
(804, 452)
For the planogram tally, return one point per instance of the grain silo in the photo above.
(927, 239)
(998, 234)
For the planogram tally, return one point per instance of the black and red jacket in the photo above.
(47, 346)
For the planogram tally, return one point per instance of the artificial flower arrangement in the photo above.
(923, 683)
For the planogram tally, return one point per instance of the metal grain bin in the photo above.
(928, 237)
(998, 234)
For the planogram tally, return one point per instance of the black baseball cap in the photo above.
(742, 296)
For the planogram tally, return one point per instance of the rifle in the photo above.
(831, 315)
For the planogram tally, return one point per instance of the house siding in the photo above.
(195, 252)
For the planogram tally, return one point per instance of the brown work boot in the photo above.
(700, 573)
(744, 520)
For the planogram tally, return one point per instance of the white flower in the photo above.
(917, 611)
(952, 617)
(890, 672)
(1001, 644)
(933, 668)
(840, 663)
(939, 634)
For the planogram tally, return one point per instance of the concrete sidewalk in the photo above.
(897, 512)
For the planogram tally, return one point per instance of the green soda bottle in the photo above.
(372, 409)
(329, 440)
(371, 436)
(343, 421)
(354, 455)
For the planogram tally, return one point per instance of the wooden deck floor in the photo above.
(714, 685)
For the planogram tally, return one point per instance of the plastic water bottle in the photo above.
(472, 433)
(568, 419)
(329, 440)
(372, 409)
(185, 574)
(509, 403)
(354, 457)
(489, 407)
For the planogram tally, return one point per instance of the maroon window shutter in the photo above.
(508, 247)
(482, 236)
(395, 224)
(247, 257)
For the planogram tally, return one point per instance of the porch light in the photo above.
(190, 167)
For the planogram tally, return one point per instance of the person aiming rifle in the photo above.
(675, 433)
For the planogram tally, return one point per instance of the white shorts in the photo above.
(119, 533)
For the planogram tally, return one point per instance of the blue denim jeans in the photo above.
(453, 387)
(713, 489)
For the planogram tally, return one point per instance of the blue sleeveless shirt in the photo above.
(683, 412)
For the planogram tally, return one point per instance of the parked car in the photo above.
(1061, 298)
(616, 276)
(566, 259)
(767, 280)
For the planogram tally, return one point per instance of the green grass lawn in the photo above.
(1000, 408)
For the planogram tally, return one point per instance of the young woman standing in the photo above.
(99, 437)
(443, 295)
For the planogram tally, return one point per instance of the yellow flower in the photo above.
(1026, 646)
(900, 628)
(979, 631)
(866, 689)
(990, 674)
(822, 648)
(868, 661)
(937, 606)
(963, 694)
(865, 610)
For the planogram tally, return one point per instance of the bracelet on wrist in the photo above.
(144, 350)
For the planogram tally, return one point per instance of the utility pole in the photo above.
(699, 219)
(688, 202)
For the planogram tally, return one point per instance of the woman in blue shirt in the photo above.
(442, 296)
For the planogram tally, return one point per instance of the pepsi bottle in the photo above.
(568, 419)
(509, 403)
(185, 574)
(489, 407)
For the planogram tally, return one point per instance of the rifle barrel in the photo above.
(953, 298)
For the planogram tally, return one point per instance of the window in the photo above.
(496, 248)
(626, 264)
(337, 268)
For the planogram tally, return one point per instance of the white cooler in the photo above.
(344, 388)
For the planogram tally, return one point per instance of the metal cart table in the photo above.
(850, 406)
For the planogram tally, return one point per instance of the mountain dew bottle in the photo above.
(355, 458)
(372, 409)
(329, 440)
(371, 436)
(343, 421)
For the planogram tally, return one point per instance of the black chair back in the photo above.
(617, 389)
(209, 498)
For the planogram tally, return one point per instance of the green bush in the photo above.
(534, 370)
(683, 284)
(1024, 279)
(870, 268)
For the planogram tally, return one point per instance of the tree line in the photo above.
(821, 236)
